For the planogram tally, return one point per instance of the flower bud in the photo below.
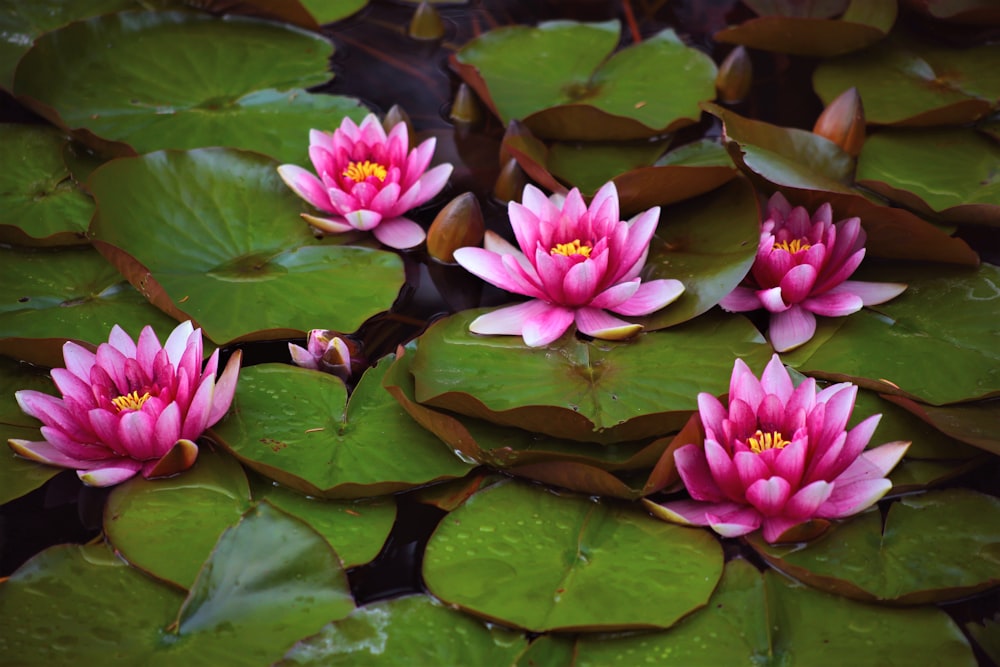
(843, 122)
(426, 23)
(465, 108)
(735, 76)
(459, 224)
(510, 182)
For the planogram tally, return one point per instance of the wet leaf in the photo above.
(973, 422)
(898, 423)
(533, 559)
(19, 476)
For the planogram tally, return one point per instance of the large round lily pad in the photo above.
(221, 242)
(597, 391)
(158, 80)
(920, 554)
(291, 424)
(562, 80)
(530, 558)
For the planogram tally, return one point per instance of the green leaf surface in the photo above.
(19, 476)
(921, 554)
(973, 423)
(905, 81)
(769, 620)
(40, 202)
(355, 529)
(951, 172)
(937, 342)
(329, 11)
(588, 166)
(598, 391)
(222, 243)
(291, 424)
(559, 79)
(55, 295)
(911, 475)
(530, 558)
(987, 636)
(410, 630)
(168, 527)
(128, 77)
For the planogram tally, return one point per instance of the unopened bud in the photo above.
(465, 108)
(843, 122)
(395, 116)
(458, 225)
(426, 23)
(735, 76)
(511, 181)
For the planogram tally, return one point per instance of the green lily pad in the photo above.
(529, 558)
(862, 24)
(411, 630)
(770, 620)
(20, 476)
(897, 423)
(987, 636)
(911, 475)
(66, 294)
(562, 80)
(355, 529)
(973, 423)
(168, 527)
(593, 391)
(904, 81)
(590, 165)
(40, 203)
(329, 11)
(949, 172)
(811, 170)
(944, 320)
(291, 424)
(863, 559)
(235, 256)
(127, 77)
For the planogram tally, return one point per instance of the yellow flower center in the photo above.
(760, 442)
(131, 401)
(793, 246)
(574, 247)
(359, 171)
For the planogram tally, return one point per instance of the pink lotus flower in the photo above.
(576, 263)
(802, 270)
(326, 352)
(779, 457)
(129, 407)
(367, 181)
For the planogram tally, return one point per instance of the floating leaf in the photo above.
(562, 81)
(864, 23)
(529, 558)
(329, 11)
(127, 77)
(65, 294)
(974, 423)
(768, 619)
(40, 203)
(987, 636)
(290, 424)
(972, 12)
(950, 172)
(20, 476)
(168, 527)
(904, 81)
(235, 256)
(922, 553)
(597, 391)
(410, 630)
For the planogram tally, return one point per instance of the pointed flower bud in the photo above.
(843, 122)
(426, 23)
(465, 108)
(459, 224)
(328, 352)
(735, 76)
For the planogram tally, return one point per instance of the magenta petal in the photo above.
(334, 225)
(166, 431)
(651, 297)
(306, 186)
(114, 473)
(45, 452)
(599, 324)
(870, 293)
(805, 502)
(363, 219)
(797, 283)
(740, 300)
(225, 388)
(79, 360)
(776, 380)
(711, 412)
(399, 233)
(833, 304)
(121, 341)
(790, 461)
(730, 521)
(73, 388)
(686, 512)
(136, 434)
(196, 420)
(696, 475)
(849, 499)
(490, 267)
(769, 495)
(579, 283)
(792, 328)
(616, 294)
(430, 184)
(885, 457)
(724, 471)
(772, 300)
(548, 325)
(508, 321)
(751, 468)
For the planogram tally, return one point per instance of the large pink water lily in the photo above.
(802, 270)
(129, 408)
(367, 180)
(576, 263)
(779, 456)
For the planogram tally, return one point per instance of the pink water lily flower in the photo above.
(779, 456)
(129, 408)
(367, 180)
(802, 270)
(325, 351)
(576, 263)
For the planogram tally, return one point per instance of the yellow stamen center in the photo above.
(760, 442)
(574, 247)
(793, 246)
(359, 171)
(131, 401)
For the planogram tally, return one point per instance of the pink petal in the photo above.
(792, 328)
(580, 282)
(544, 327)
(426, 188)
(47, 409)
(769, 495)
(302, 357)
(363, 219)
(734, 522)
(805, 502)
(727, 519)
(177, 342)
(73, 388)
(79, 360)
(420, 157)
(776, 380)
(121, 341)
(770, 414)
(335, 225)
(798, 283)
(833, 304)
(45, 452)
(616, 294)
(632, 256)
(386, 199)
(225, 388)
(599, 324)
(508, 321)
(711, 412)
(306, 186)
(166, 431)
(490, 267)
(740, 300)
(790, 461)
(696, 475)
(751, 468)
(399, 233)
(135, 432)
(651, 297)
(105, 426)
(871, 293)
(848, 499)
(772, 300)
(724, 471)
(114, 473)
(885, 457)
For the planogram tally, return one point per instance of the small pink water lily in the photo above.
(779, 456)
(325, 351)
(129, 408)
(802, 270)
(367, 180)
(576, 263)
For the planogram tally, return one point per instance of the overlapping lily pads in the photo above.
(292, 425)
(157, 80)
(220, 241)
(533, 559)
(920, 554)
(19, 476)
(906, 81)
(948, 172)
(561, 80)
